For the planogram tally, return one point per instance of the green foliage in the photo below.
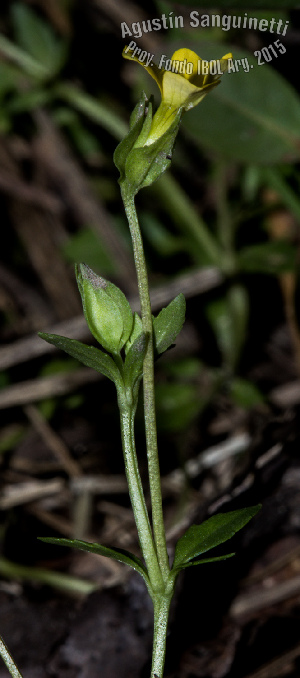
(202, 538)
(168, 323)
(116, 554)
(88, 355)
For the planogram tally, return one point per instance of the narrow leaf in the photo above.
(207, 560)
(88, 355)
(92, 547)
(214, 531)
(168, 323)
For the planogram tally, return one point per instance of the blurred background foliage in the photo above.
(224, 222)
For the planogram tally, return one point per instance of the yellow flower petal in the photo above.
(180, 90)
(155, 72)
(176, 89)
(185, 55)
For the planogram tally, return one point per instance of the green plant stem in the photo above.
(148, 384)
(161, 616)
(137, 496)
(8, 660)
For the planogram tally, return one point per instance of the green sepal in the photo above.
(123, 304)
(136, 124)
(214, 531)
(133, 366)
(92, 547)
(88, 355)
(145, 131)
(168, 323)
(147, 163)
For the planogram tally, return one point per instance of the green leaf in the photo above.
(168, 323)
(207, 560)
(274, 257)
(133, 366)
(251, 117)
(116, 554)
(214, 531)
(88, 355)
(37, 38)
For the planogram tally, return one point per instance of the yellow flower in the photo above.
(183, 85)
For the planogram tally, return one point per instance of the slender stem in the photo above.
(148, 384)
(137, 496)
(161, 616)
(8, 660)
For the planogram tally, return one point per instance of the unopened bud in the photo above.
(106, 309)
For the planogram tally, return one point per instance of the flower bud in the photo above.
(106, 309)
